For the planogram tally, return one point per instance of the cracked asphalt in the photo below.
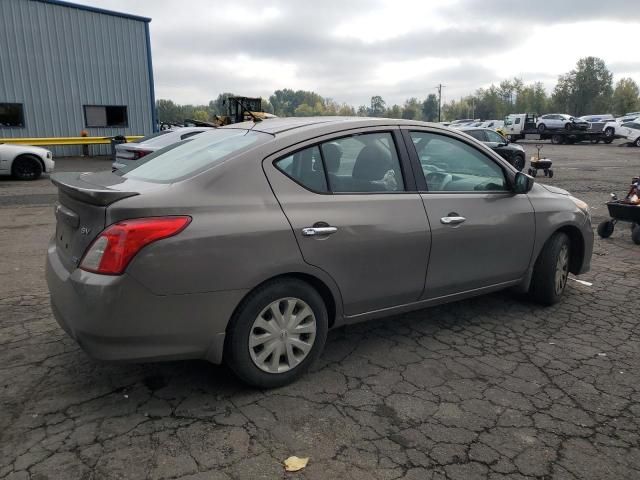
(490, 388)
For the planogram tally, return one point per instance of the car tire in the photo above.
(557, 139)
(605, 229)
(26, 167)
(541, 128)
(608, 140)
(635, 235)
(253, 322)
(609, 131)
(519, 162)
(551, 270)
(637, 142)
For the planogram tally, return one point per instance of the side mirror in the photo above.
(523, 183)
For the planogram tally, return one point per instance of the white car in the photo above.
(128, 153)
(630, 131)
(25, 162)
(560, 120)
(493, 124)
(611, 129)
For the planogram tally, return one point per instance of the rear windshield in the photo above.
(192, 156)
(149, 137)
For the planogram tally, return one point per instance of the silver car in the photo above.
(246, 244)
(553, 121)
(131, 153)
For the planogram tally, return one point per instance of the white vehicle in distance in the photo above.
(611, 129)
(606, 117)
(25, 162)
(560, 121)
(128, 153)
(631, 131)
(493, 124)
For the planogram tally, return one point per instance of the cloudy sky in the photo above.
(350, 50)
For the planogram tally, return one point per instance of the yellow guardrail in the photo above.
(65, 140)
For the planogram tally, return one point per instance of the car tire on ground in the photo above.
(276, 333)
(541, 128)
(608, 140)
(551, 270)
(519, 162)
(605, 229)
(557, 139)
(635, 235)
(26, 167)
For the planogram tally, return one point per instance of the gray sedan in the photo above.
(246, 244)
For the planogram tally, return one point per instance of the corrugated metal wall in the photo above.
(54, 59)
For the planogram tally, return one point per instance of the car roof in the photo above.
(279, 125)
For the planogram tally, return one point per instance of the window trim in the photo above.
(86, 123)
(404, 160)
(22, 116)
(421, 182)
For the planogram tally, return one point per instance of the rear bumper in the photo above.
(117, 318)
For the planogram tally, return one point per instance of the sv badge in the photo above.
(85, 230)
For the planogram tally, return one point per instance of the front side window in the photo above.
(194, 155)
(477, 134)
(450, 165)
(517, 120)
(105, 116)
(11, 115)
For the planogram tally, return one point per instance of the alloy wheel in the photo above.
(282, 335)
(562, 269)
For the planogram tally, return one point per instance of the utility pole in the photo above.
(439, 88)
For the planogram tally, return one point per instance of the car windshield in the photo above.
(192, 156)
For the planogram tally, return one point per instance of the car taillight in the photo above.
(137, 154)
(111, 252)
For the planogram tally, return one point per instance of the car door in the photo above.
(354, 210)
(498, 144)
(482, 233)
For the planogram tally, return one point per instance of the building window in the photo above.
(105, 116)
(11, 115)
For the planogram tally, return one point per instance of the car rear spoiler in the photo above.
(91, 188)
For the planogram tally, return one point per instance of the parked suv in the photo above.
(247, 243)
(559, 120)
(511, 152)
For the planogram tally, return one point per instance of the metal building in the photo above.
(65, 68)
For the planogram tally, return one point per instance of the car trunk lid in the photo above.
(81, 209)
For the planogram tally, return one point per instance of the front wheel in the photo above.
(519, 162)
(26, 168)
(635, 235)
(551, 270)
(541, 128)
(557, 139)
(608, 140)
(637, 142)
(277, 333)
(608, 132)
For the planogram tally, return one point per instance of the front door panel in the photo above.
(491, 246)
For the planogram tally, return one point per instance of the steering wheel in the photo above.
(438, 180)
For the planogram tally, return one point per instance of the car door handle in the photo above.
(317, 231)
(452, 220)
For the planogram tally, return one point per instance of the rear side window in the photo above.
(190, 157)
(305, 167)
(477, 134)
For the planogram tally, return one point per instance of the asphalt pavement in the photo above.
(491, 388)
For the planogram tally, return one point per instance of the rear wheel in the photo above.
(519, 162)
(26, 167)
(635, 235)
(551, 270)
(556, 139)
(541, 128)
(277, 333)
(637, 142)
(605, 229)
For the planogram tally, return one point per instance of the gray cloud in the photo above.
(195, 52)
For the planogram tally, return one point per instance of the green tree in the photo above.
(168, 111)
(625, 96)
(394, 112)
(586, 89)
(201, 115)
(430, 108)
(217, 106)
(377, 108)
(412, 109)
